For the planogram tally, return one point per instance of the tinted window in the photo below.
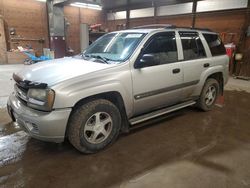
(192, 45)
(163, 48)
(215, 44)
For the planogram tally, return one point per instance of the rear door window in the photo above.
(192, 45)
(215, 44)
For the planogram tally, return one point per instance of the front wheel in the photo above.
(208, 95)
(94, 125)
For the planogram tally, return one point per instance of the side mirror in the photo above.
(146, 60)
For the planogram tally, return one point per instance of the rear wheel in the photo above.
(94, 125)
(208, 95)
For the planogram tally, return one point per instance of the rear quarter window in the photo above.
(192, 45)
(215, 44)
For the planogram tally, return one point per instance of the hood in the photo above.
(54, 71)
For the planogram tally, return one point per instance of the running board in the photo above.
(160, 112)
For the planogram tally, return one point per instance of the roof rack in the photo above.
(154, 26)
(195, 28)
(169, 26)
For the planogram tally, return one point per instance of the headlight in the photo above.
(41, 99)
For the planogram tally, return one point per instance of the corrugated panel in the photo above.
(140, 13)
(116, 15)
(213, 5)
(184, 8)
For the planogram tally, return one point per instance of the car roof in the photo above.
(135, 31)
(149, 30)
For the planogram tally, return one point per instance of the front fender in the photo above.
(68, 93)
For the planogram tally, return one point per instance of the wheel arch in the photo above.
(219, 77)
(213, 72)
(112, 96)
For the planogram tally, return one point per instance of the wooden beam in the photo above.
(194, 13)
(243, 37)
(155, 12)
(3, 47)
(127, 14)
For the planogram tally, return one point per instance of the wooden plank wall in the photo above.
(113, 25)
(73, 30)
(218, 21)
(221, 22)
(140, 21)
(229, 22)
(75, 16)
(29, 18)
(182, 20)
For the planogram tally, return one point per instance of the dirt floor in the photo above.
(188, 148)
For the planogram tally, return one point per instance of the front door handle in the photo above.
(175, 71)
(206, 65)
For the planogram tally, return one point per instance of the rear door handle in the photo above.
(175, 71)
(206, 65)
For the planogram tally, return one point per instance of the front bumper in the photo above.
(45, 126)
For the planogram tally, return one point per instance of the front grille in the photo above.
(22, 88)
(21, 93)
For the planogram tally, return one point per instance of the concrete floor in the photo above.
(186, 149)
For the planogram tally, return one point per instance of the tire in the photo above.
(94, 126)
(206, 101)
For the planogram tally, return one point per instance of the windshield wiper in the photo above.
(104, 59)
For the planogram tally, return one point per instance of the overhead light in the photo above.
(86, 5)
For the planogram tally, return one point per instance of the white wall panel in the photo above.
(117, 15)
(212, 5)
(140, 13)
(184, 8)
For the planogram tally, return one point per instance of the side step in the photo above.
(160, 112)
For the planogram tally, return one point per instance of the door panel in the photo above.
(158, 78)
(192, 71)
(194, 60)
(157, 86)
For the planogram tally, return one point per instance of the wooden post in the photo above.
(194, 13)
(127, 15)
(3, 46)
(243, 68)
(243, 38)
(155, 12)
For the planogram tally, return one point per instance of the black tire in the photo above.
(81, 116)
(201, 103)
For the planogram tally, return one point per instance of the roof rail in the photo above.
(195, 28)
(154, 26)
(169, 26)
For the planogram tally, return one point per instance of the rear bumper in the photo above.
(45, 126)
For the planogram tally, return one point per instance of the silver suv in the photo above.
(124, 78)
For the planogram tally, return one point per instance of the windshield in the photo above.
(114, 46)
